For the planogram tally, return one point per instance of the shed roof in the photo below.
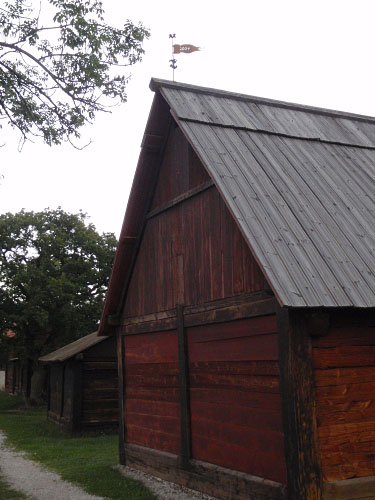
(299, 181)
(72, 349)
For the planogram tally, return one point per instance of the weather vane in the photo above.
(186, 48)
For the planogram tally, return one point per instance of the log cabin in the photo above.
(242, 298)
(82, 390)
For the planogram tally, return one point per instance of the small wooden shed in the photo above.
(242, 296)
(83, 384)
(18, 377)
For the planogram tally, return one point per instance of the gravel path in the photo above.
(35, 481)
(39, 483)
(163, 489)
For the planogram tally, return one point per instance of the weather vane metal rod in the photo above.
(186, 48)
(173, 61)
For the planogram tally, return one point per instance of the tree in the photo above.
(51, 87)
(54, 270)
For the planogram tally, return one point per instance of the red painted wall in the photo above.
(235, 396)
(151, 389)
(194, 253)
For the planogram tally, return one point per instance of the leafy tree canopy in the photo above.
(54, 271)
(60, 63)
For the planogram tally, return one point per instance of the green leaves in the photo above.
(55, 77)
(54, 271)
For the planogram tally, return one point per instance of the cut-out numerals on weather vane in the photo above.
(186, 48)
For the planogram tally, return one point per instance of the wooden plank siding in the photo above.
(10, 375)
(99, 394)
(151, 387)
(195, 241)
(195, 275)
(344, 364)
(235, 396)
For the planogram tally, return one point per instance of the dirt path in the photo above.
(35, 481)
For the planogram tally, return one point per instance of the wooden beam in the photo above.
(349, 489)
(62, 393)
(48, 388)
(183, 381)
(121, 396)
(179, 199)
(195, 316)
(298, 407)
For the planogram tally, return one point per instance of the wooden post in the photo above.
(121, 393)
(183, 380)
(304, 480)
(48, 388)
(62, 393)
(77, 395)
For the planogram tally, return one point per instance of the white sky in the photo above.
(310, 52)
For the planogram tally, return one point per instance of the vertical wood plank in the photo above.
(183, 377)
(62, 393)
(77, 395)
(298, 406)
(48, 388)
(122, 396)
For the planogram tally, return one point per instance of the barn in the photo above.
(242, 297)
(83, 384)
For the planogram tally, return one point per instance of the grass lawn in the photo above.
(6, 493)
(84, 460)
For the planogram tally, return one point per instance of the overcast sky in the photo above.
(310, 52)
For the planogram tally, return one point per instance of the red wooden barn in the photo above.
(242, 297)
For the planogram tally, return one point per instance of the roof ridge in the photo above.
(156, 83)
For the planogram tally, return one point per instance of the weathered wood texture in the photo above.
(10, 377)
(83, 391)
(207, 478)
(235, 397)
(362, 488)
(181, 170)
(18, 377)
(197, 238)
(152, 395)
(298, 405)
(121, 396)
(99, 394)
(55, 391)
(344, 363)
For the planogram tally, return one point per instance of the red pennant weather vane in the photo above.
(186, 48)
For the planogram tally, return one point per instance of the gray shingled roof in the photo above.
(300, 181)
(72, 349)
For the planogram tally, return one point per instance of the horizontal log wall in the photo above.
(344, 363)
(151, 388)
(235, 396)
(99, 394)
